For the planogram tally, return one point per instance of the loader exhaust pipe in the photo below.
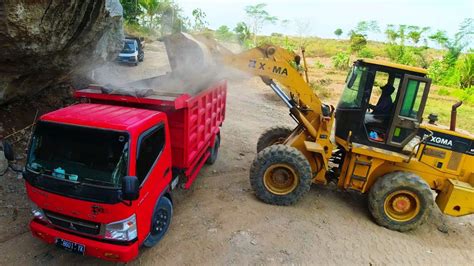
(455, 106)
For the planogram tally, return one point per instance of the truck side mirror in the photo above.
(130, 188)
(8, 151)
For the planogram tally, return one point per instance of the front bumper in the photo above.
(127, 60)
(94, 248)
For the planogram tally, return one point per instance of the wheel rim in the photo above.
(280, 140)
(280, 179)
(402, 205)
(161, 222)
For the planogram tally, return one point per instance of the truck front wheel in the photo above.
(160, 221)
(400, 201)
(280, 175)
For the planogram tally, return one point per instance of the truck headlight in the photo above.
(124, 230)
(38, 213)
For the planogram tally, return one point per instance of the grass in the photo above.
(442, 107)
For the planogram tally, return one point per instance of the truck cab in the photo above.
(100, 173)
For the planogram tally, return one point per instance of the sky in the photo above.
(325, 16)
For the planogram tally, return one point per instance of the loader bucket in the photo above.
(192, 55)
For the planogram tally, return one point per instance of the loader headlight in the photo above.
(124, 230)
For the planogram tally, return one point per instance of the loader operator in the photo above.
(384, 105)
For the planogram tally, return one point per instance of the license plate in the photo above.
(70, 246)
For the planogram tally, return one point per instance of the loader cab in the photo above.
(382, 104)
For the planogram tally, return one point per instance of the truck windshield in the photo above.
(79, 155)
(128, 47)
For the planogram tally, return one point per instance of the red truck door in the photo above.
(153, 170)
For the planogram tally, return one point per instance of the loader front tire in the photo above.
(272, 136)
(280, 175)
(400, 201)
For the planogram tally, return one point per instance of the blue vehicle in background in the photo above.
(132, 52)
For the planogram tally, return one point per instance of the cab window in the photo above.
(150, 147)
(412, 100)
(353, 93)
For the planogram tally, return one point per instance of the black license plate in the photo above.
(70, 246)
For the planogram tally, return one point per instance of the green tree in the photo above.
(358, 42)
(131, 11)
(243, 33)
(223, 33)
(403, 44)
(338, 33)
(200, 22)
(258, 18)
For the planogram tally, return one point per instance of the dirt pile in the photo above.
(43, 42)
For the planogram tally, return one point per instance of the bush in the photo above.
(466, 71)
(341, 61)
(365, 53)
(322, 91)
(318, 65)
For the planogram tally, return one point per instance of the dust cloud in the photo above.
(185, 65)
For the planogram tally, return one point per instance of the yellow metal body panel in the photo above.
(456, 199)
(395, 65)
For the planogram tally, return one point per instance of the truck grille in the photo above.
(73, 224)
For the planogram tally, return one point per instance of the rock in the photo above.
(3, 163)
(42, 43)
(443, 228)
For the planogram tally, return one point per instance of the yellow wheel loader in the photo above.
(379, 146)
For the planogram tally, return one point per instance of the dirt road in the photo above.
(219, 221)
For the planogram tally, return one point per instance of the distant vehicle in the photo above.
(132, 52)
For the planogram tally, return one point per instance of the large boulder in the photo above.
(44, 42)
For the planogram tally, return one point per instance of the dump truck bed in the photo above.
(194, 120)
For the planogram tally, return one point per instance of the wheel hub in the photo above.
(402, 205)
(161, 221)
(280, 179)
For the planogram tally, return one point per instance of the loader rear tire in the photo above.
(280, 175)
(272, 136)
(400, 201)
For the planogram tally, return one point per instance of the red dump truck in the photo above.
(100, 173)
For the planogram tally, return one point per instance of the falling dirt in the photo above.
(220, 221)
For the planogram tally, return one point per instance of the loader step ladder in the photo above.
(360, 171)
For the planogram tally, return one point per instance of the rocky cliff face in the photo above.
(42, 42)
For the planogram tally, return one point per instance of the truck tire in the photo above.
(214, 151)
(272, 136)
(280, 175)
(400, 201)
(160, 221)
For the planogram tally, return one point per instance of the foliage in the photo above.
(318, 65)
(358, 42)
(338, 32)
(258, 18)
(365, 53)
(365, 27)
(466, 71)
(200, 22)
(341, 61)
(131, 11)
(321, 90)
(403, 44)
(223, 33)
(243, 34)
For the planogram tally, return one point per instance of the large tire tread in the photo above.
(280, 154)
(271, 135)
(399, 180)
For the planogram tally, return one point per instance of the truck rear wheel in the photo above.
(160, 221)
(280, 175)
(400, 201)
(214, 151)
(272, 136)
